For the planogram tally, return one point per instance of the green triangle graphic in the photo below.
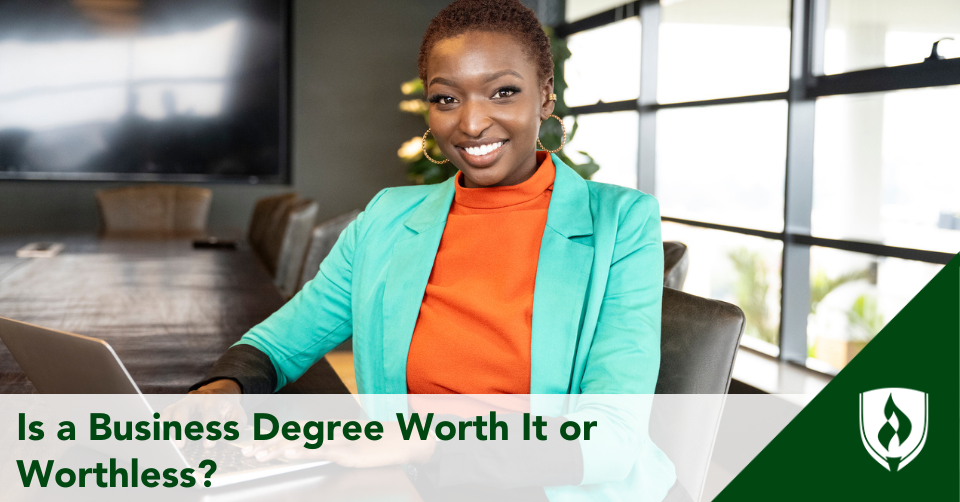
(820, 455)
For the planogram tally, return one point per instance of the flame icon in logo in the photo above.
(888, 430)
(887, 425)
(900, 428)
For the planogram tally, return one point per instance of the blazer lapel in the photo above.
(407, 276)
(563, 273)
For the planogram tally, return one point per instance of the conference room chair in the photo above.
(322, 239)
(267, 246)
(676, 261)
(263, 215)
(699, 339)
(154, 209)
(293, 245)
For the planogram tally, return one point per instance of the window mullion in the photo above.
(647, 141)
(798, 197)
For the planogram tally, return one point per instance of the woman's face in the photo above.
(486, 104)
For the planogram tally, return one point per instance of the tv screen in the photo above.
(166, 90)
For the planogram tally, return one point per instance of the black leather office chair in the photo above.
(322, 239)
(266, 214)
(676, 260)
(699, 338)
(293, 247)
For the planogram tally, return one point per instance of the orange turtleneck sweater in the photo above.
(473, 332)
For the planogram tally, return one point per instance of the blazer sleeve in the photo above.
(621, 369)
(319, 317)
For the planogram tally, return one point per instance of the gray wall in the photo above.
(349, 59)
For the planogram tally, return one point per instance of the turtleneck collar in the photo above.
(498, 197)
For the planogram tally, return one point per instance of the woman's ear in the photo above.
(546, 109)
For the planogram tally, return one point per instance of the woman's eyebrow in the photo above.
(441, 80)
(493, 76)
(489, 78)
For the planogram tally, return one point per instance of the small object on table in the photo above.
(40, 250)
(214, 243)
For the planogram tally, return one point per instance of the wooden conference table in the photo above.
(168, 310)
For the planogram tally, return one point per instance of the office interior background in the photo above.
(803, 150)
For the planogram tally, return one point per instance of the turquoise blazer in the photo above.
(596, 315)
(596, 307)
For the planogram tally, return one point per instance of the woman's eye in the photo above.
(504, 93)
(442, 100)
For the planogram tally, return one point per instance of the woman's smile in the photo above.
(482, 153)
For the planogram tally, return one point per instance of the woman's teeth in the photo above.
(484, 149)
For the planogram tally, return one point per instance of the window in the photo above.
(739, 269)
(611, 139)
(864, 34)
(579, 9)
(859, 193)
(886, 168)
(721, 48)
(709, 156)
(604, 64)
(852, 296)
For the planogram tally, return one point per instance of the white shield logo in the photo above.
(893, 425)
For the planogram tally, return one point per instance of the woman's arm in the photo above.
(624, 357)
(247, 368)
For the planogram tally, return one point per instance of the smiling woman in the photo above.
(517, 276)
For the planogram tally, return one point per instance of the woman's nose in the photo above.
(474, 119)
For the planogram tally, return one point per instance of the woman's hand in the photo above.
(222, 386)
(223, 406)
(390, 449)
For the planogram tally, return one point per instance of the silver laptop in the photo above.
(64, 363)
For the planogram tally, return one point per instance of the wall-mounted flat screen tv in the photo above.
(145, 90)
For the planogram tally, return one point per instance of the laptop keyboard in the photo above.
(228, 457)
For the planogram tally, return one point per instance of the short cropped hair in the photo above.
(499, 16)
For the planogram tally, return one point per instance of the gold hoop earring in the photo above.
(423, 146)
(563, 141)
